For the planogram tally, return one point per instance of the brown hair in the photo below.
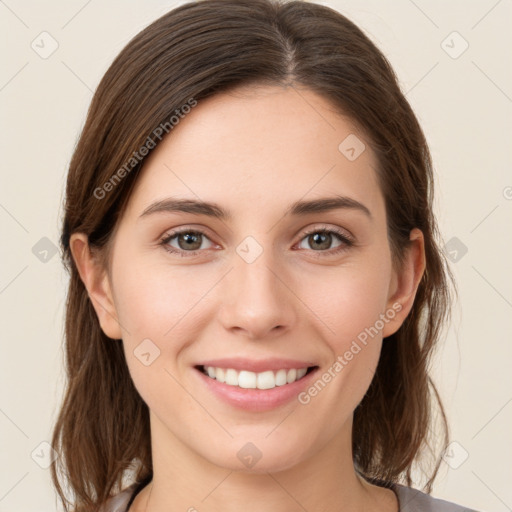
(195, 51)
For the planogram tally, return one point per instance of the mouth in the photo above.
(264, 380)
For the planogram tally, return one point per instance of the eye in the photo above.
(189, 241)
(321, 239)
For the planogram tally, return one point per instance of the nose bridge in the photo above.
(255, 298)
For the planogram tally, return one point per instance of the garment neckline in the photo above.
(138, 488)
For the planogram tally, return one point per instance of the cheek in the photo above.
(351, 306)
(152, 300)
(157, 312)
(352, 301)
(161, 310)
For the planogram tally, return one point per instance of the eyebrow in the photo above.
(299, 208)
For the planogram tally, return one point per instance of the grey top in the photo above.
(409, 499)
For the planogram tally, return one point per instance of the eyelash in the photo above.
(347, 242)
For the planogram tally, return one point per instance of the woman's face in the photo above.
(260, 284)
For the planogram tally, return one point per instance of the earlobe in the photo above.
(404, 284)
(95, 279)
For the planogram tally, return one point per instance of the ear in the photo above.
(404, 284)
(96, 281)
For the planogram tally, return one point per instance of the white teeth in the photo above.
(266, 380)
(301, 373)
(246, 380)
(252, 380)
(219, 374)
(231, 377)
(281, 377)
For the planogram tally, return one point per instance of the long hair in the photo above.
(193, 52)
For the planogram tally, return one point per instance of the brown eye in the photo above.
(320, 240)
(188, 241)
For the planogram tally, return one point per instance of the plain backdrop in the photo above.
(453, 62)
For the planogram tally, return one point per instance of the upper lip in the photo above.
(257, 366)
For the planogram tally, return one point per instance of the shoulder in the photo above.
(119, 502)
(412, 500)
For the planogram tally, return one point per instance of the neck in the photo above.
(326, 481)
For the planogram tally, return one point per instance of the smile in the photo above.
(251, 380)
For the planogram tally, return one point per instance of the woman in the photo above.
(256, 280)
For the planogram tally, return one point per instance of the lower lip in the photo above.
(257, 400)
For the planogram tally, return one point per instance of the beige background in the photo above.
(465, 106)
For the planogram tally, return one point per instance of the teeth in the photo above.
(246, 380)
(251, 380)
(281, 377)
(219, 375)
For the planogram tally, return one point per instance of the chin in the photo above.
(258, 458)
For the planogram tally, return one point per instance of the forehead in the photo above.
(263, 147)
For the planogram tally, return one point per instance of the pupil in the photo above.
(317, 237)
(190, 240)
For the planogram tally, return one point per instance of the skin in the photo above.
(253, 151)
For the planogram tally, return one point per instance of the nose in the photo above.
(257, 300)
